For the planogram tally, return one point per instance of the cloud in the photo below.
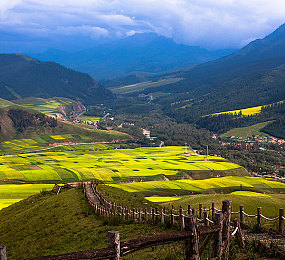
(208, 23)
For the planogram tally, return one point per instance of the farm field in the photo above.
(12, 193)
(249, 194)
(245, 111)
(28, 144)
(249, 131)
(89, 119)
(49, 107)
(162, 199)
(201, 186)
(106, 165)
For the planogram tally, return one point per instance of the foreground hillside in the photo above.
(63, 223)
(55, 224)
(22, 77)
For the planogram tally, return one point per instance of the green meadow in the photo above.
(249, 131)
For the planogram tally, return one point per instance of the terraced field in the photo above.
(105, 165)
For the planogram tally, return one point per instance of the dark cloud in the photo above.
(208, 23)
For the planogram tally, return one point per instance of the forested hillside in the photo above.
(22, 76)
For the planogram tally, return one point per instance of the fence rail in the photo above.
(176, 216)
(219, 229)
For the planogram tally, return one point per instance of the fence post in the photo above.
(134, 216)
(281, 220)
(206, 221)
(213, 210)
(162, 215)
(153, 216)
(127, 214)
(3, 255)
(114, 242)
(239, 232)
(172, 215)
(200, 210)
(259, 210)
(227, 209)
(140, 216)
(192, 244)
(181, 217)
(145, 215)
(218, 238)
(189, 209)
(241, 215)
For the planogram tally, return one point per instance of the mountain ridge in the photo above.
(22, 76)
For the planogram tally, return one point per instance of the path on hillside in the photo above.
(90, 194)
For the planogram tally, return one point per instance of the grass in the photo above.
(250, 194)
(244, 132)
(10, 194)
(111, 165)
(270, 205)
(56, 224)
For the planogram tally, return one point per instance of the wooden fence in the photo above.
(216, 228)
(219, 231)
(175, 216)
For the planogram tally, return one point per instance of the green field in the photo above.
(89, 119)
(12, 193)
(244, 132)
(143, 85)
(201, 186)
(49, 106)
(36, 143)
(106, 165)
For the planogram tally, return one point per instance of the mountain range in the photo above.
(254, 75)
(143, 52)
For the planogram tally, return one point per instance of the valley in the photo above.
(159, 132)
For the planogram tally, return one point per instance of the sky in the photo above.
(212, 24)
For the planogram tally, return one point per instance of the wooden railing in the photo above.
(218, 229)
(190, 235)
(174, 216)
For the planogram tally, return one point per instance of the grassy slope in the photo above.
(55, 224)
(249, 131)
(270, 206)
